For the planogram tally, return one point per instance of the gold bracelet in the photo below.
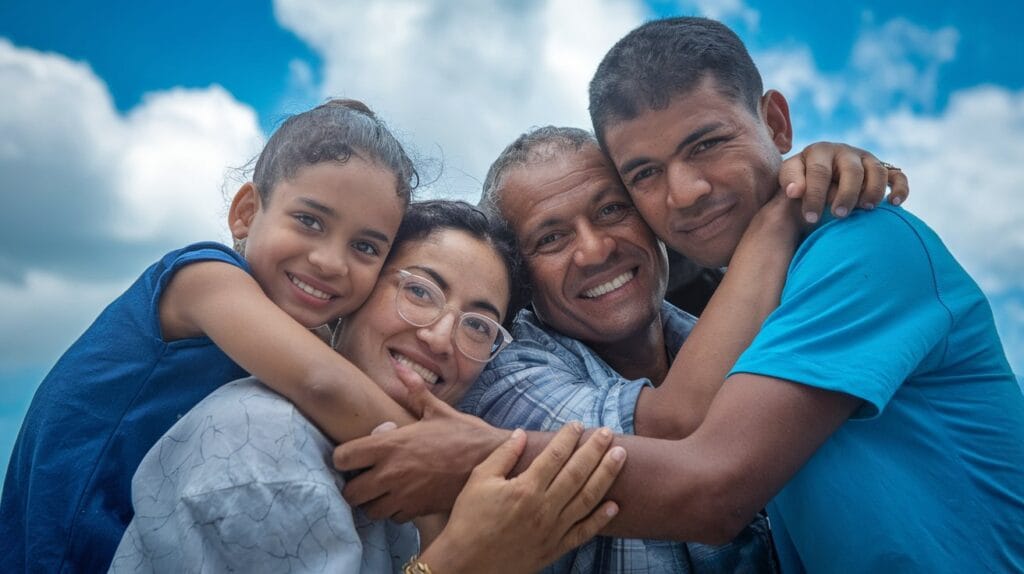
(415, 566)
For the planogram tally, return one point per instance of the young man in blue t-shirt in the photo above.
(875, 412)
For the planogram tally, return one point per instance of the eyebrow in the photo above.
(479, 304)
(694, 136)
(317, 206)
(556, 220)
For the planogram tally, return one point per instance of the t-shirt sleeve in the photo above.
(859, 312)
(195, 253)
(528, 387)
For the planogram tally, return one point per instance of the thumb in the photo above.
(418, 398)
(501, 462)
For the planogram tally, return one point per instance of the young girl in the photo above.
(315, 225)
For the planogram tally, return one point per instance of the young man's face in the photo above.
(701, 168)
(599, 274)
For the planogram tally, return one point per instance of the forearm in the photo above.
(748, 294)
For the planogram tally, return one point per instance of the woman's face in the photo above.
(376, 338)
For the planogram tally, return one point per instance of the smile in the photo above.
(610, 286)
(707, 227)
(428, 375)
(309, 289)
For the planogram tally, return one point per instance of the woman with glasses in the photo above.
(244, 482)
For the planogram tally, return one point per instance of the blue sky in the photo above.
(120, 122)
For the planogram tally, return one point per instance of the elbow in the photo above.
(724, 507)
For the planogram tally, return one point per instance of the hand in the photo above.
(842, 175)
(524, 523)
(420, 468)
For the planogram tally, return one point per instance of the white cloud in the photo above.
(794, 72)
(966, 175)
(91, 197)
(726, 11)
(899, 64)
(462, 78)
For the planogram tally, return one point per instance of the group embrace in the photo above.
(367, 383)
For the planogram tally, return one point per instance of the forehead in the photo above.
(568, 182)
(472, 269)
(705, 105)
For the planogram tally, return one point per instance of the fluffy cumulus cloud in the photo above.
(91, 195)
(462, 79)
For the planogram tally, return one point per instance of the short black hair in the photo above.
(662, 59)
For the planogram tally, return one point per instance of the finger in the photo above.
(588, 527)
(597, 485)
(417, 397)
(579, 468)
(380, 508)
(503, 459)
(545, 467)
(875, 176)
(362, 489)
(359, 453)
(818, 173)
(791, 177)
(900, 186)
(849, 175)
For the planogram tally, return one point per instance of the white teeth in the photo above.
(610, 286)
(428, 375)
(309, 289)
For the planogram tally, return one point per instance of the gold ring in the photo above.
(889, 166)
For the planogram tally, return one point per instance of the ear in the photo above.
(244, 207)
(775, 114)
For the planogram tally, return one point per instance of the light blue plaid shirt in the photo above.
(544, 380)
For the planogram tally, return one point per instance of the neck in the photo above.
(641, 355)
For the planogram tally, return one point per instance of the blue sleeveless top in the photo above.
(67, 495)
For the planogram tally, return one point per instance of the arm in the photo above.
(227, 305)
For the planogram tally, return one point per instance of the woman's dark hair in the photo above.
(333, 131)
(425, 218)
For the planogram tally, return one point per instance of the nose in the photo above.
(686, 186)
(438, 335)
(329, 259)
(593, 246)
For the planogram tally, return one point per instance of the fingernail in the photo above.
(384, 427)
(576, 426)
(896, 201)
(791, 190)
(605, 432)
(611, 510)
(516, 434)
(617, 453)
(841, 211)
(868, 206)
(811, 217)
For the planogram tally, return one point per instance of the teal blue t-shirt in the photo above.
(115, 391)
(928, 475)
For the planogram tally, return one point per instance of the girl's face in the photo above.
(317, 245)
(375, 338)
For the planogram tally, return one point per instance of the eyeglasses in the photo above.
(421, 303)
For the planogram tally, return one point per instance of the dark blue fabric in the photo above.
(67, 495)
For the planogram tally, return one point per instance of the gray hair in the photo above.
(535, 146)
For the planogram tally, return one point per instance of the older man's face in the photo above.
(599, 274)
(701, 168)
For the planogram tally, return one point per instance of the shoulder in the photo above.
(241, 433)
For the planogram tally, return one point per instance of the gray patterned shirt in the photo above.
(244, 482)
